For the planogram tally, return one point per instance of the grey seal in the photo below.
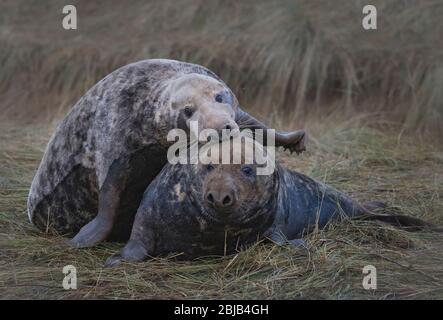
(216, 209)
(113, 143)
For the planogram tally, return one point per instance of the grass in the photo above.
(370, 100)
(354, 156)
(290, 58)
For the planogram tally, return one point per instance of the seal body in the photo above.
(173, 218)
(113, 143)
(215, 209)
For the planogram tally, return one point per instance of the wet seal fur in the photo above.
(215, 209)
(113, 143)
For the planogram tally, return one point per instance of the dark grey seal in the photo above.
(215, 209)
(113, 143)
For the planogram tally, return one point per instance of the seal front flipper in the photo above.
(100, 227)
(134, 251)
(280, 239)
(92, 233)
(299, 243)
(293, 141)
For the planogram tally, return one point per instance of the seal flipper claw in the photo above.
(133, 251)
(279, 239)
(299, 243)
(113, 261)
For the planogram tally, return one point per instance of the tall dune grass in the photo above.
(296, 58)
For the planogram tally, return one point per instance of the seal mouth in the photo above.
(218, 214)
(234, 216)
(211, 216)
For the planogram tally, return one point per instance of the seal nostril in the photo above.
(210, 198)
(227, 200)
(228, 127)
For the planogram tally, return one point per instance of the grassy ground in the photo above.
(371, 162)
(371, 101)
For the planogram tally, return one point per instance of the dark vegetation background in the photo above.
(372, 102)
(292, 58)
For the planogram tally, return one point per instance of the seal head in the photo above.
(236, 193)
(197, 97)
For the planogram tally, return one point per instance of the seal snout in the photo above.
(220, 198)
(229, 130)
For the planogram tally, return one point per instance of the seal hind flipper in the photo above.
(400, 221)
(380, 211)
(374, 206)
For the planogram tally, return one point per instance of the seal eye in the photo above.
(219, 98)
(209, 167)
(188, 111)
(247, 170)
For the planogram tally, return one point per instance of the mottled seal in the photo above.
(113, 142)
(214, 209)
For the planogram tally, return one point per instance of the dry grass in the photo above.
(294, 63)
(351, 156)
